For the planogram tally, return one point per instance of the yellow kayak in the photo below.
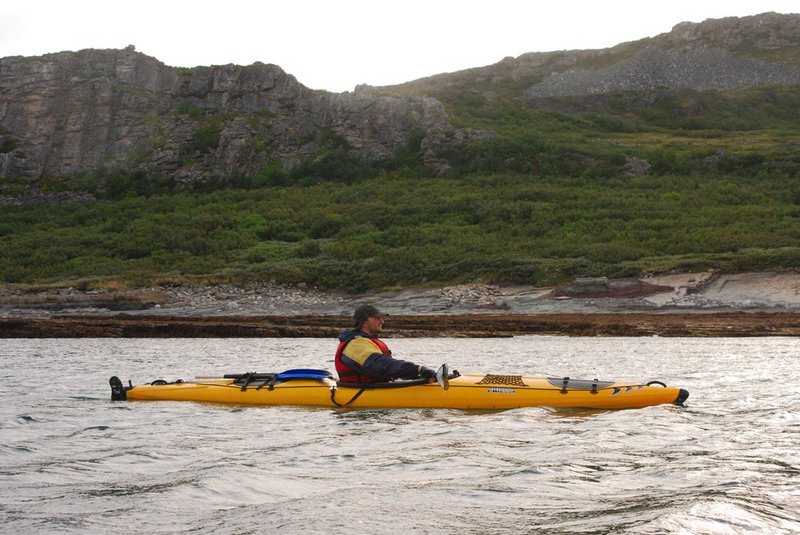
(470, 391)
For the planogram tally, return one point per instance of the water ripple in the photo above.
(73, 461)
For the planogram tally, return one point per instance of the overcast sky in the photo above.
(337, 44)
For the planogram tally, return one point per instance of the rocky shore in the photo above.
(462, 325)
(699, 304)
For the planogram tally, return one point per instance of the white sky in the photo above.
(337, 44)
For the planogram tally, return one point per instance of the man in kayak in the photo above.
(362, 357)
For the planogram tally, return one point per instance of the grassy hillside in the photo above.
(612, 185)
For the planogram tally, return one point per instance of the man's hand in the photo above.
(427, 373)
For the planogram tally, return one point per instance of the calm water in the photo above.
(73, 461)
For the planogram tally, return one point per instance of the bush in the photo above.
(542, 197)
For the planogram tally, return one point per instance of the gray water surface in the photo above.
(72, 461)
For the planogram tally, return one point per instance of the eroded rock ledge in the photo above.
(467, 325)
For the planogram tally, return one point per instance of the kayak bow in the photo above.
(308, 387)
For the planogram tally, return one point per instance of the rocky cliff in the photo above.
(757, 51)
(73, 112)
(716, 54)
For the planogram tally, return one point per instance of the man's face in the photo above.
(373, 325)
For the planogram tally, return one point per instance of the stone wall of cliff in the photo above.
(74, 112)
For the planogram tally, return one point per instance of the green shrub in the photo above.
(544, 196)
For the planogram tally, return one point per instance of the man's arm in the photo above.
(377, 364)
(369, 360)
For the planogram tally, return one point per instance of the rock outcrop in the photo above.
(74, 112)
(756, 51)
(654, 67)
(693, 304)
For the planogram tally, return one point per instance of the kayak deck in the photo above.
(470, 391)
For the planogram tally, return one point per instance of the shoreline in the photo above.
(689, 304)
(711, 324)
